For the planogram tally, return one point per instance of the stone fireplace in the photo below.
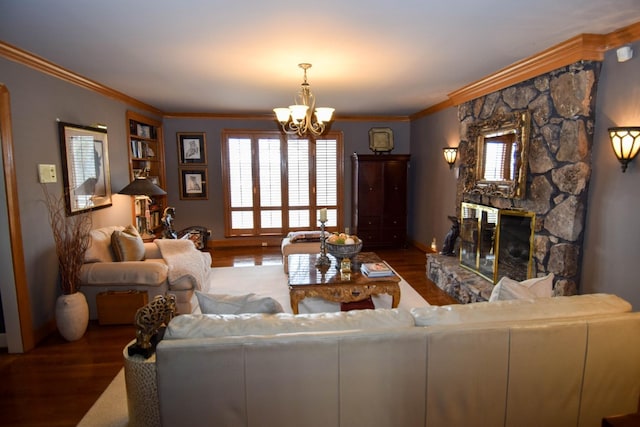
(561, 105)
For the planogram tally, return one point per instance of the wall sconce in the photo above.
(450, 155)
(626, 143)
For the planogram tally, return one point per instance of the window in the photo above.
(276, 183)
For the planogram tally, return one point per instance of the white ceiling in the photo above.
(371, 57)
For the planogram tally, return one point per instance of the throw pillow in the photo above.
(127, 244)
(99, 249)
(237, 304)
(305, 236)
(539, 287)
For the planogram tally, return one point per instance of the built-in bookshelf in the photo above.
(146, 158)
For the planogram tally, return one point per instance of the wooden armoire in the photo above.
(379, 199)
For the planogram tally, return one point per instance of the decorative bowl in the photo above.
(340, 251)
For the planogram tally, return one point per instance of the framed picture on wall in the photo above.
(380, 140)
(193, 184)
(85, 163)
(192, 148)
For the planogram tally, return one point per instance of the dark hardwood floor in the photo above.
(56, 383)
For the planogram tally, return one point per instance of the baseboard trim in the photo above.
(245, 242)
(421, 246)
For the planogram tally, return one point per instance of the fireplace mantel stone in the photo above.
(562, 104)
(460, 283)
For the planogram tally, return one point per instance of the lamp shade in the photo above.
(142, 187)
(626, 143)
(450, 154)
(282, 114)
(298, 112)
(324, 114)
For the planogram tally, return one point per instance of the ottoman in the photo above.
(305, 242)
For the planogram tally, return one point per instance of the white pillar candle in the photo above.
(323, 214)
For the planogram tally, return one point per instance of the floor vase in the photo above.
(72, 316)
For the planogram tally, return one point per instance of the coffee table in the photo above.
(307, 280)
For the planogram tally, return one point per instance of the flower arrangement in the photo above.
(71, 237)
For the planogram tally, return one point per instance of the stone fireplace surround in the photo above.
(561, 104)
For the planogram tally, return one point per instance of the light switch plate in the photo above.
(47, 173)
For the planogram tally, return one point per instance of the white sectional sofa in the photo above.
(565, 361)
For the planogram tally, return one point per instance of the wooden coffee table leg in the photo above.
(295, 298)
(395, 295)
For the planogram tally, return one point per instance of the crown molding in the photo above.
(585, 47)
(433, 109)
(623, 36)
(582, 47)
(271, 117)
(40, 64)
(229, 116)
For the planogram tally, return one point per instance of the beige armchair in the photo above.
(149, 272)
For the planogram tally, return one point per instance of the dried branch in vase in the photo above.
(71, 237)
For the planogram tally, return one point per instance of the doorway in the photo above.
(17, 331)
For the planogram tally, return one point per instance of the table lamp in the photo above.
(143, 189)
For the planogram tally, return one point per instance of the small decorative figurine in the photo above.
(448, 248)
(167, 221)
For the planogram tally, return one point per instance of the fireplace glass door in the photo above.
(478, 227)
(515, 244)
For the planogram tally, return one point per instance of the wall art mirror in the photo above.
(501, 149)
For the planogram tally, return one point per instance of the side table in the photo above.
(142, 389)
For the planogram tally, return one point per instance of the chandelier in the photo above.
(299, 118)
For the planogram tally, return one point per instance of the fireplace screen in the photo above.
(496, 242)
(477, 239)
(515, 244)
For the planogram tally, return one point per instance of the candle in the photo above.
(323, 214)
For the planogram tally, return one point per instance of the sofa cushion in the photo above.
(99, 249)
(131, 273)
(521, 309)
(538, 287)
(237, 304)
(127, 244)
(219, 325)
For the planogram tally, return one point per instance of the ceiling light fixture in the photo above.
(299, 118)
(626, 143)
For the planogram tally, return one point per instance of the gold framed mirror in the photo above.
(501, 150)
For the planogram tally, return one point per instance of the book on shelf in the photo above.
(376, 269)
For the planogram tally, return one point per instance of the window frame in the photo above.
(257, 230)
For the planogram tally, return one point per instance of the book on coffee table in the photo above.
(376, 269)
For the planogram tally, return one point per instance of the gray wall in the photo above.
(612, 231)
(433, 184)
(209, 213)
(37, 100)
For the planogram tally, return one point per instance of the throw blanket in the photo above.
(185, 262)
